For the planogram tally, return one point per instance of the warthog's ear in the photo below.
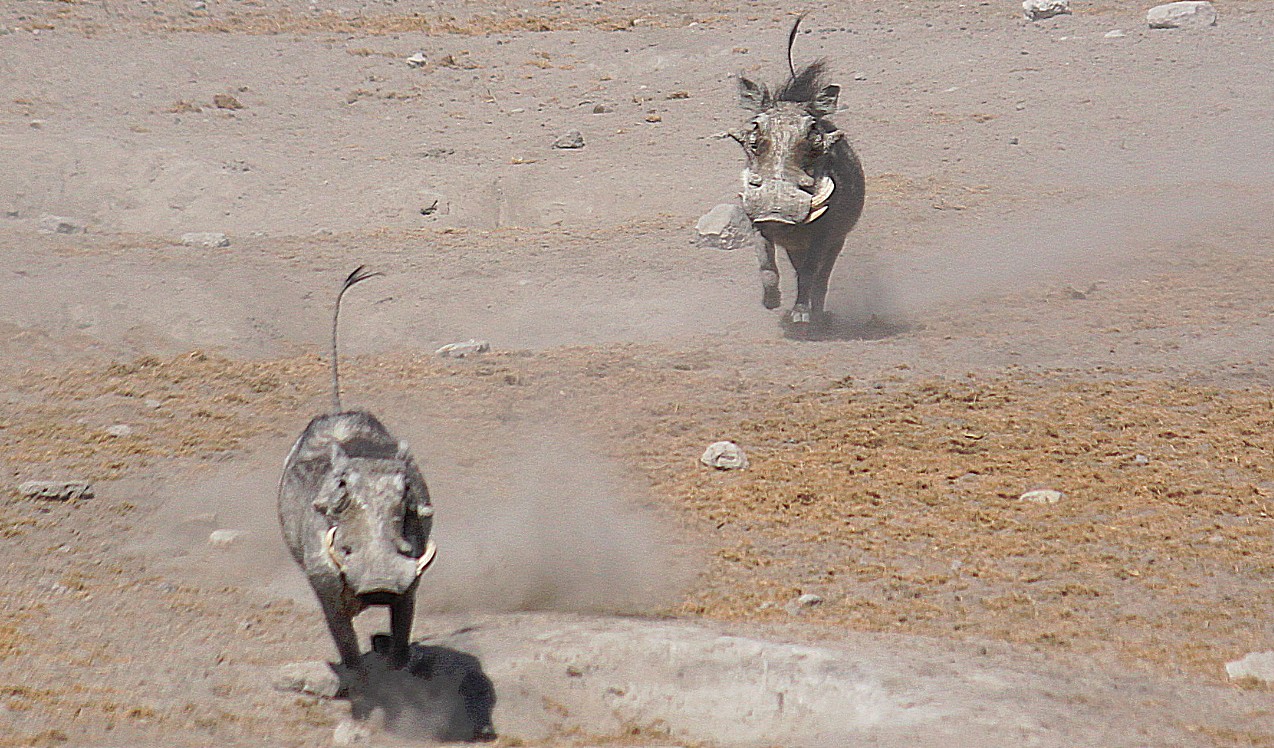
(824, 102)
(404, 450)
(753, 96)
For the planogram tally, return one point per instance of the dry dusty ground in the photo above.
(1062, 280)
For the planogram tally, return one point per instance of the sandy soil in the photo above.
(1062, 280)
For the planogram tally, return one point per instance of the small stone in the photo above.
(803, 603)
(1140, 460)
(61, 225)
(726, 227)
(724, 456)
(417, 60)
(153, 404)
(351, 732)
(652, 117)
(316, 678)
(1036, 10)
(56, 490)
(569, 141)
(601, 109)
(1115, 34)
(205, 239)
(119, 430)
(1192, 14)
(226, 101)
(469, 347)
(224, 538)
(1042, 496)
(1258, 665)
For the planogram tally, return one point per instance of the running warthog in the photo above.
(356, 516)
(803, 185)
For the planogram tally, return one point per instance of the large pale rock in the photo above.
(56, 490)
(726, 227)
(205, 239)
(1258, 665)
(463, 349)
(1193, 14)
(314, 678)
(1036, 10)
(724, 456)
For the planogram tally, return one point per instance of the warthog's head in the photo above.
(378, 538)
(788, 142)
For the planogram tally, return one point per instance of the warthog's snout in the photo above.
(381, 570)
(782, 201)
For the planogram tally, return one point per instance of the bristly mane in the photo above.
(805, 84)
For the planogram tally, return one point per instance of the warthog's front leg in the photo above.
(341, 624)
(771, 296)
(400, 616)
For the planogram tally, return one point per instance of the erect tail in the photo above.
(360, 274)
(791, 38)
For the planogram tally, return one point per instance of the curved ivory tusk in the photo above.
(816, 213)
(426, 558)
(825, 188)
(329, 547)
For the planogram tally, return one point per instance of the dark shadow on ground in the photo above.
(441, 695)
(835, 327)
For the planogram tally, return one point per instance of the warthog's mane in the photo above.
(805, 84)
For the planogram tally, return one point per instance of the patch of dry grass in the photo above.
(900, 506)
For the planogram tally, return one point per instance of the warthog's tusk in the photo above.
(825, 188)
(426, 558)
(816, 213)
(329, 547)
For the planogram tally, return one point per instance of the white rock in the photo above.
(1038, 9)
(1192, 14)
(1115, 34)
(469, 347)
(224, 538)
(351, 732)
(56, 490)
(724, 456)
(1259, 665)
(570, 140)
(120, 429)
(61, 225)
(803, 603)
(314, 678)
(726, 227)
(1042, 496)
(416, 60)
(206, 239)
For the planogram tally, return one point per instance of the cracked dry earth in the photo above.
(1062, 281)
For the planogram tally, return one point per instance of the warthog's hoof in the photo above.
(800, 316)
(771, 297)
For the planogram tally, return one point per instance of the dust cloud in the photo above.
(1082, 243)
(529, 517)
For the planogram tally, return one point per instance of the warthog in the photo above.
(803, 185)
(356, 516)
